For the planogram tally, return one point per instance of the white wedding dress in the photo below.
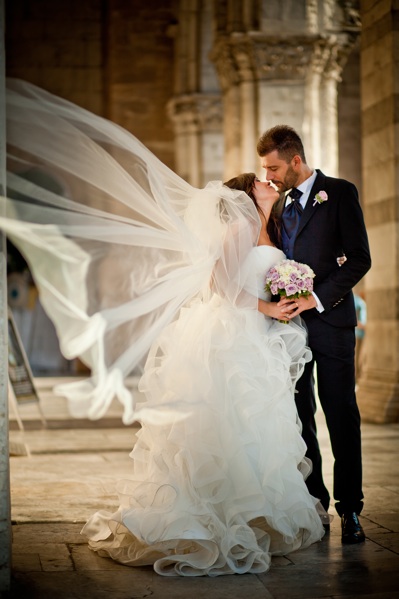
(131, 262)
(218, 467)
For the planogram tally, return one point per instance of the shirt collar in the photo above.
(307, 185)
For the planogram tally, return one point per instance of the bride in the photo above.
(132, 261)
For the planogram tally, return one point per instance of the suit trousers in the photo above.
(333, 351)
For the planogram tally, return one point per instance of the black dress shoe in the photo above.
(352, 532)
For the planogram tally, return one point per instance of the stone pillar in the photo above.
(248, 96)
(284, 68)
(197, 122)
(234, 60)
(313, 120)
(335, 53)
(228, 74)
(378, 392)
(195, 108)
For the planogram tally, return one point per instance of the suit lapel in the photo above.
(310, 209)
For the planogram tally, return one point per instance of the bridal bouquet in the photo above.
(290, 279)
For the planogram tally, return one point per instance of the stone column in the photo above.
(248, 98)
(195, 108)
(197, 122)
(378, 392)
(312, 122)
(334, 56)
(228, 74)
(320, 128)
(284, 69)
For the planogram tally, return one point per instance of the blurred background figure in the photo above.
(360, 331)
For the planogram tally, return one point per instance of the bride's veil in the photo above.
(116, 242)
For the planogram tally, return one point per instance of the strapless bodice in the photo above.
(260, 259)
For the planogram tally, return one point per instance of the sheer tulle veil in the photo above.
(116, 241)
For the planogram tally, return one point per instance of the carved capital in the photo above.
(256, 56)
(320, 57)
(223, 58)
(245, 57)
(203, 111)
(330, 55)
(286, 59)
(351, 13)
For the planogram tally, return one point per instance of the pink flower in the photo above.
(320, 198)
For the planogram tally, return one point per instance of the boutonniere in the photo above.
(320, 198)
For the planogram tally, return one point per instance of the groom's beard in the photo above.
(288, 182)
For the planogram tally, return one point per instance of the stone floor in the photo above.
(71, 469)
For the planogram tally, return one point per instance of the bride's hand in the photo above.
(293, 307)
(272, 309)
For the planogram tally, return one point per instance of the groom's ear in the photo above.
(296, 162)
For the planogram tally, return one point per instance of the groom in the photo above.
(321, 220)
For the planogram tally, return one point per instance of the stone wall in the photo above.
(349, 122)
(139, 51)
(113, 57)
(378, 392)
(58, 46)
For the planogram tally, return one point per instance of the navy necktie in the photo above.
(292, 213)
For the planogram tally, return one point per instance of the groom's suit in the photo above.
(326, 231)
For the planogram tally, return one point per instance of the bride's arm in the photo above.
(274, 310)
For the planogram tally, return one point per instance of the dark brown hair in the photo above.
(285, 140)
(246, 182)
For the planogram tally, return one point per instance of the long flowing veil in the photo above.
(116, 242)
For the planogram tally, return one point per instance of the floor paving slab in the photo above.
(72, 471)
(134, 583)
(358, 577)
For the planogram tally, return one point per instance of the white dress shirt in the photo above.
(305, 187)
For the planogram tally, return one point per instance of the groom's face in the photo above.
(281, 173)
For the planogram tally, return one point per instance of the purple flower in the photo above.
(309, 284)
(274, 275)
(291, 289)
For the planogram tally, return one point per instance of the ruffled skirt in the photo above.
(218, 467)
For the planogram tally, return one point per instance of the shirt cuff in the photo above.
(319, 305)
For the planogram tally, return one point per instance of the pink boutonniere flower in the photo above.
(320, 198)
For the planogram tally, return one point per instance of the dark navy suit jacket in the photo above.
(325, 232)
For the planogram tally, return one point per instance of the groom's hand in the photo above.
(292, 307)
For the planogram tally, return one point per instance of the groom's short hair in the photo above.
(285, 140)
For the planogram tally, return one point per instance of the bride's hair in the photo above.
(246, 182)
